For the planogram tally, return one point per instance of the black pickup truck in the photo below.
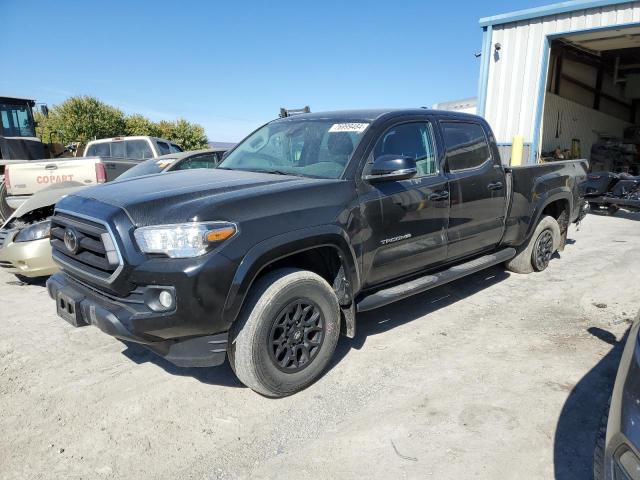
(309, 220)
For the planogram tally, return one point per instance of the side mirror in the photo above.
(392, 168)
(44, 110)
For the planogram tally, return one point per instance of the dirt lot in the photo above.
(495, 376)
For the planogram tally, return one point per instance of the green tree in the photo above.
(137, 124)
(165, 129)
(189, 136)
(81, 119)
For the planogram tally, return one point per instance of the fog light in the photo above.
(166, 299)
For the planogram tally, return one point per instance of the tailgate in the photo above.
(31, 177)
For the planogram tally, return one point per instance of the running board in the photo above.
(422, 284)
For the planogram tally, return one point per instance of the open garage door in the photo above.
(592, 100)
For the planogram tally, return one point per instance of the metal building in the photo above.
(563, 76)
(465, 105)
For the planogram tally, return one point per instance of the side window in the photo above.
(163, 148)
(173, 148)
(410, 140)
(467, 145)
(117, 149)
(201, 161)
(138, 149)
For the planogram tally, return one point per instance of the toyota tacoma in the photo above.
(308, 221)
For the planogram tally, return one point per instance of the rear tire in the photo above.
(286, 333)
(5, 209)
(541, 246)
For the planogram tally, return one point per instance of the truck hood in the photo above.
(194, 195)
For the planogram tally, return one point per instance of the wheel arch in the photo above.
(553, 203)
(301, 248)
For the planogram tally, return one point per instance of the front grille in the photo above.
(5, 264)
(95, 254)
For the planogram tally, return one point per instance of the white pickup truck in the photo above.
(104, 160)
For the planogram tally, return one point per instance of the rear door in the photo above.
(407, 219)
(477, 188)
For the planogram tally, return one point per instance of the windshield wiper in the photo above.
(263, 170)
(275, 172)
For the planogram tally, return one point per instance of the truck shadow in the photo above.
(34, 282)
(221, 375)
(370, 323)
(579, 420)
(412, 308)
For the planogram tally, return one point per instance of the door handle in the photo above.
(495, 186)
(51, 166)
(439, 196)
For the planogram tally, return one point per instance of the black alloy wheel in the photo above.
(296, 335)
(543, 250)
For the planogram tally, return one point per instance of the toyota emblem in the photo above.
(71, 240)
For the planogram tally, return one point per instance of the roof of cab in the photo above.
(189, 153)
(130, 137)
(370, 115)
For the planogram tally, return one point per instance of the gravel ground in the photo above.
(494, 376)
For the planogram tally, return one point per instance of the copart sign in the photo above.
(44, 179)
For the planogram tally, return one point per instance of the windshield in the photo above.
(149, 167)
(307, 148)
(17, 120)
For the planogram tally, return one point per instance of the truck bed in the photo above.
(531, 185)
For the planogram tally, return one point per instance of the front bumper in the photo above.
(30, 259)
(132, 320)
(622, 447)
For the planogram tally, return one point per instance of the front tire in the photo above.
(540, 248)
(286, 333)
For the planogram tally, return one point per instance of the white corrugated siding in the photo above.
(514, 72)
(576, 121)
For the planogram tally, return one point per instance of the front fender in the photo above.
(281, 246)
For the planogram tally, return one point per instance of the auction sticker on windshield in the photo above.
(348, 127)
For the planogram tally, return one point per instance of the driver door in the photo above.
(407, 219)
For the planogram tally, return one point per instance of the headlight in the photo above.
(34, 232)
(183, 240)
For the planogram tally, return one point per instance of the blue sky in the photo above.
(230, 66)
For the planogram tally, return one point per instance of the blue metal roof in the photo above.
(547, 10)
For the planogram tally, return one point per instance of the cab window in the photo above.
(467, 145)
(99, 150)
(163, 148)
(200, 161)
(138, 149)
(117, 149)
(413, 140)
